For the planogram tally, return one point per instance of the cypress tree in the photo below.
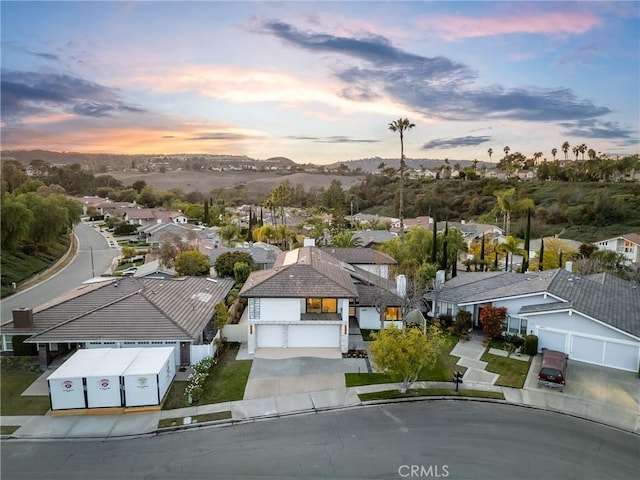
(444, 247)
(434, 247)
(482, 254)
(249, 237)
(527, 236)
(541, 262)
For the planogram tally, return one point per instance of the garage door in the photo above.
(326, 336)
(269, 335)
(552, 340)
(624, 357)
(585, 349)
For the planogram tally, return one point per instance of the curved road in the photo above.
(434, 439)
(72, 276)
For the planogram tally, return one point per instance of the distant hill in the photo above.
(368, 165)
(102, 162)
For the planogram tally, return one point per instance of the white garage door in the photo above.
(551, 340)
(269, 335)
(326, 336)
(584, 349)
(624, 357)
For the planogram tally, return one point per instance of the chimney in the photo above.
(23, 317)
(401, 285)
(309, 242)
(568, 266)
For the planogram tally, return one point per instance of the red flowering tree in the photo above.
(491, 319)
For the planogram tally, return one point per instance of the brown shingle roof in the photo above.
(304, 272)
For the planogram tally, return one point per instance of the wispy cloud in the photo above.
(435, 86)
(599, 129)
(332, 139)
(30, 93)
(570, 22)
(220, 136)
(445, 143)
(19, 48)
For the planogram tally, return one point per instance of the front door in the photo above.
(185, 353)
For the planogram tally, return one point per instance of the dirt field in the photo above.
(258, 183)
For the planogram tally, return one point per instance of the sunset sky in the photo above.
(319, 82)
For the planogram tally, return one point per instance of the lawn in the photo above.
(441, 372)
(12, 384)
(429, 392)
(207, 417)
(513, 373)
(226, 382)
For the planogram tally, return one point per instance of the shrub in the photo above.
(21, 349)
(463, 322)
(491, 319)
(530, 345)
(224, 263)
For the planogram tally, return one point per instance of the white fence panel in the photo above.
(235, 333)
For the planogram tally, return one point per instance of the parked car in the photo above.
(553, 372)
(129, 271)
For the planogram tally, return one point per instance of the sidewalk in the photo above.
(475, 378)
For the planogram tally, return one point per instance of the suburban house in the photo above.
(472, 231)
(308, 297)
(627, 245)
(370, 238)
(594, 319)
(408, 223)
(155, 233)
(148, 216)
(373, 261)
(125, 312)
(263, 254)
(154, 269)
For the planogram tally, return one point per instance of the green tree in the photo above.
(406, 352)
(192, 263)
(15, 219)
(224, 263)
(221, 315)
(346, 240)
(230, 232)
(128, 252)
(510, 246)
(401, 125)
(241, 272)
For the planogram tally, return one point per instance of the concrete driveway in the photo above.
(276, 377)
(590, 382)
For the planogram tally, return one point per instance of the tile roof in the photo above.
(363, 256)
(133, 309)
(304, 272)
(603, 296)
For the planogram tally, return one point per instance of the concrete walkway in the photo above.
(625, 416)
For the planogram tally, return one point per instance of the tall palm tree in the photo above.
(554, 152)
(537, 156)
(401, 125)
(582, 149)
(490, 152)
(576, 151)
(565, 149)
(510, 246)
(346, 240)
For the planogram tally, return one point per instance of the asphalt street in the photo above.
(435, 439)
(92, 247)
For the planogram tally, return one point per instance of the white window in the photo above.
(254, 308)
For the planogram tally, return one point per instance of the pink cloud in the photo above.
(554, 23)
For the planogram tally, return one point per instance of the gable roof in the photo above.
(603, 296)
(631, 237)
(300, 273)
(362, 256)
(132, 309)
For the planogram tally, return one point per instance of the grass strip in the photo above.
(205, 417)
(429, 392)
